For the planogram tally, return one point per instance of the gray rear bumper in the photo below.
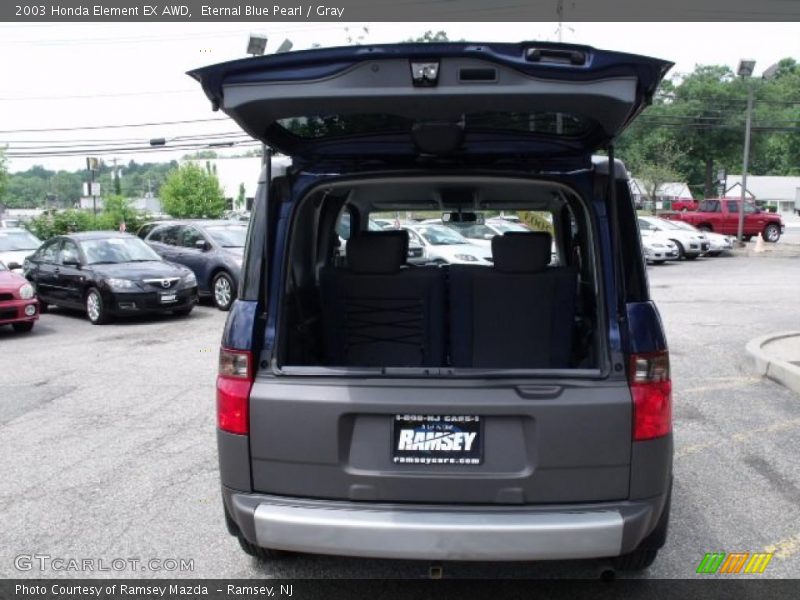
(438, 533)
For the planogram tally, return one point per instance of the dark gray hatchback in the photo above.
(514, 410)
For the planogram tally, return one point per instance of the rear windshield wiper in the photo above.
(104, 262)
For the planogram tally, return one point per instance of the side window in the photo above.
(343, 225)
(414, 237)
(189, 236)
(49, 252)
(69, 252)
(169, 235)
(749, 209)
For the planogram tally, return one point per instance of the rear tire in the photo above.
(259, 553)
(772, 233)
(23, 327)
(647, 551)
(691, 256)
(222, 291)
(637, 560)
(681, 251)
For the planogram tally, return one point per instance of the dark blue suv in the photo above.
(518, 409)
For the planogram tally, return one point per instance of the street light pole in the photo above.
(745, 70)
(746, 159)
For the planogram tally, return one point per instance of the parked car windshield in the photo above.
(117, 250)
(439, 235)
(506, 227)
(684, 225)
(228, 236)
(476, 231)
(18, 240)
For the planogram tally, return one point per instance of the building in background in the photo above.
(782, 192)
(666, 194)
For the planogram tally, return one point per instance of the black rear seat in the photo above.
(377, 313)
(518, 313)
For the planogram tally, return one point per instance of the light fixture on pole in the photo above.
(285, 46)
(745, 71)
(257, 44)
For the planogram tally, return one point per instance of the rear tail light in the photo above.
(651, 388)
(234, 382)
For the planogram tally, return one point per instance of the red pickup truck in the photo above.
(721, 215)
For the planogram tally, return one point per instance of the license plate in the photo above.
(167, 298)
(437, 440)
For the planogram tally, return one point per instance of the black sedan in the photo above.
(109, 274)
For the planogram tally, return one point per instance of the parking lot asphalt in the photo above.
(108, 446)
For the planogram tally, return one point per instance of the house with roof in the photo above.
(783, 192)
(666, 194)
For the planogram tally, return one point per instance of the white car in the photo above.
(717, 243)
(658, 248)
(691, 244)
(444, 245)
(16, 244)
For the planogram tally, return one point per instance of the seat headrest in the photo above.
(377, 251)
(521, 251)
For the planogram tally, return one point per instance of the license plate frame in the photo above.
(450, 440)
(168, 298)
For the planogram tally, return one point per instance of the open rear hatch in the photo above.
(558, 102)
(561, 438)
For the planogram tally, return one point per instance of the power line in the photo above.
(33, 144)
(130, 150)
(85, 96)
(97, 127)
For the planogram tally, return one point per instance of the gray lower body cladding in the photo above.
(434, 532)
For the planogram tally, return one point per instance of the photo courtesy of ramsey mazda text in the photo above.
(514, 409)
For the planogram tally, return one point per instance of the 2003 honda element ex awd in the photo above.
(517, 409)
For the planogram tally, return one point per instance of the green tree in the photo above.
(241, 198)
(3, 174)
(190, 191)
(118, 210)
(430, 37)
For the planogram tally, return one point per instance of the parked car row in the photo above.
(664, 240)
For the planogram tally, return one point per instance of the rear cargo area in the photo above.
(442, 340)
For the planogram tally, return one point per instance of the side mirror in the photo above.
(201, 245)
(13, 266)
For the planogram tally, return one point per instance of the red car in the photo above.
(18, 304)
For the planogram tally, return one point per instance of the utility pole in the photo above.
(745, 71)
(117, 188)
(560, 13)
(746, 160)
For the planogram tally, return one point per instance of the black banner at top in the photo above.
(287, 11)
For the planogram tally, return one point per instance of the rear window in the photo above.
(537, 122)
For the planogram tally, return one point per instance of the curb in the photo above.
(781, 371)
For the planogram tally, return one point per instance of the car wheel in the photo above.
(659, 262)
(747, 238)
(95, 308)
(183, 312)
(691, 256)
(262, 554)
(704, 228)
(772, 233)
(715, 253)
(681, 252)
(647, 551)
(43, 306)
(22, 327)
(222, 291)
